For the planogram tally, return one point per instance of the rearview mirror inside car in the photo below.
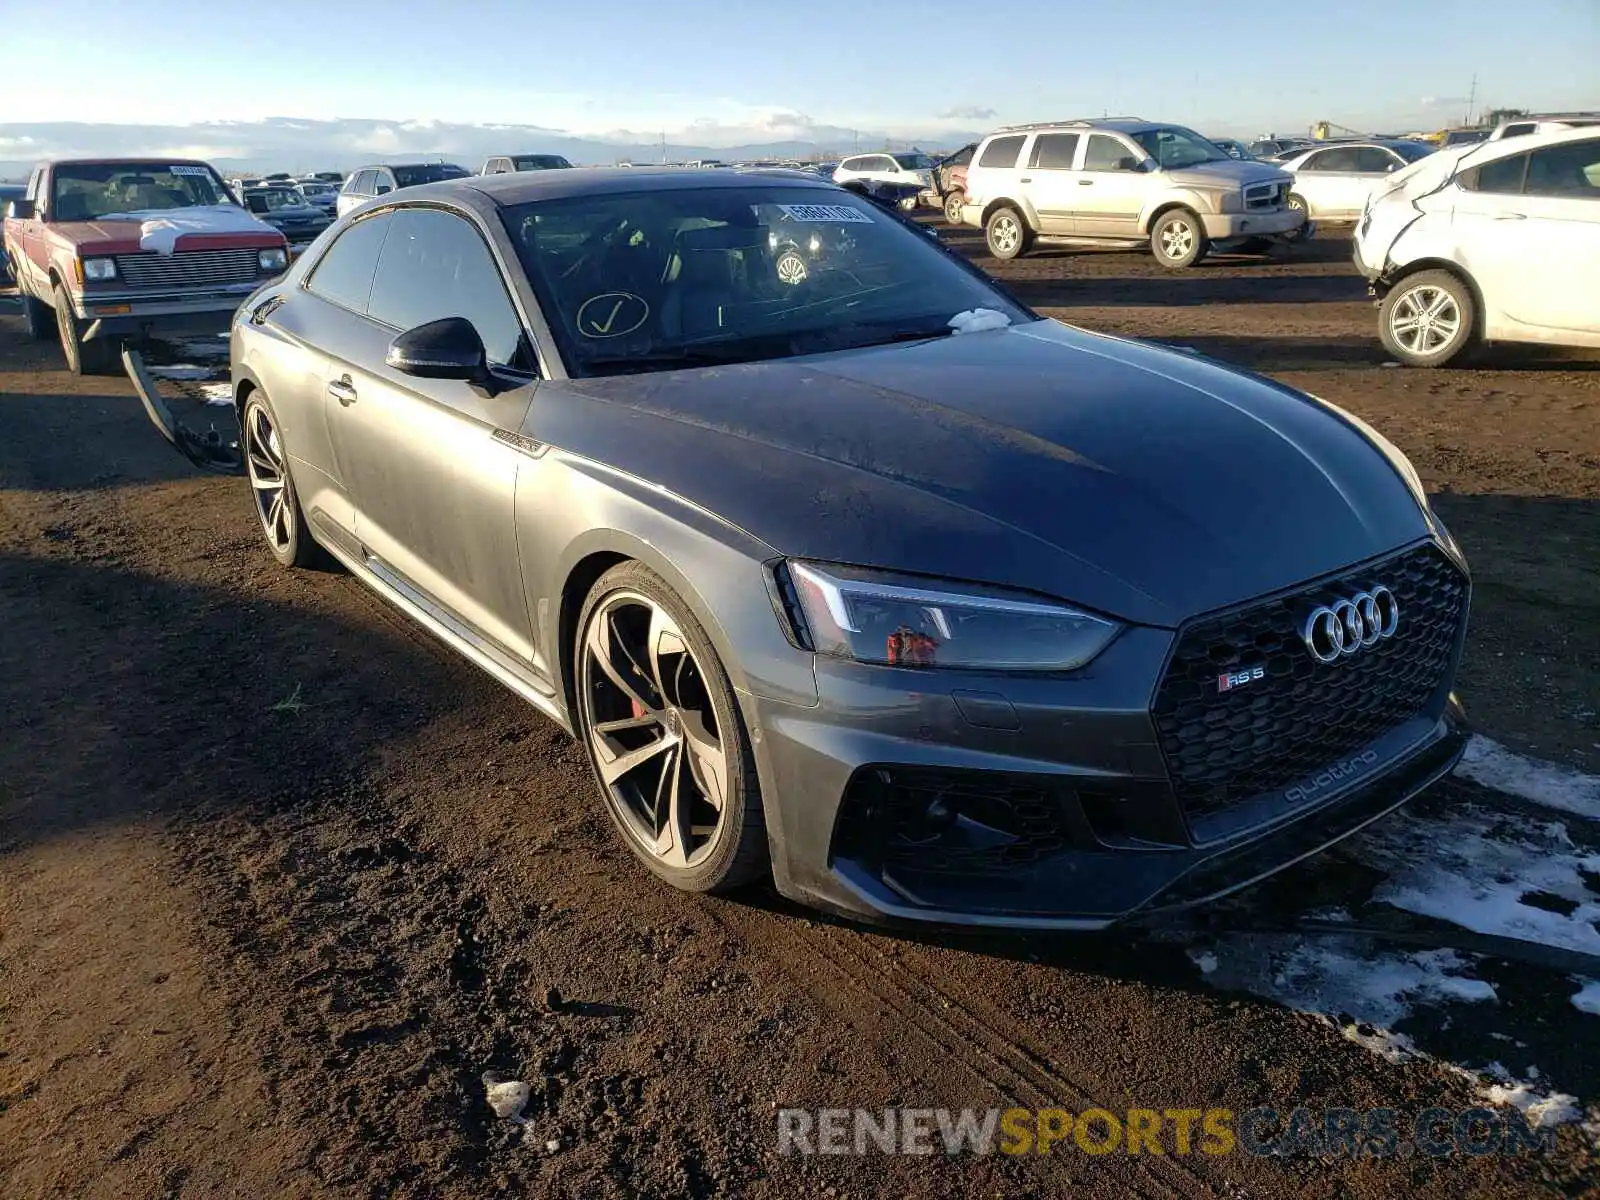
(448, 348)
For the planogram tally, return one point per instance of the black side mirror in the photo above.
(383, 189)
(22, 210)
(1129, 163)
(448, 348)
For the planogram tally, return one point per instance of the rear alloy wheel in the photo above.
(662, 728)
(1007, 234)
(953, 204)
(1428, 319)
(99, 357)
(272, 489)
(1178, 239)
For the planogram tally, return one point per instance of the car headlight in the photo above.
(1230, 202)
(275, 259)
(99, 270)
(904, 621)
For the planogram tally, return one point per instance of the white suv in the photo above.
(1547, 123)
(1495, 242)
(1123, 181)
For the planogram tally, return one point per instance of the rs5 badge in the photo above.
(1237, 679)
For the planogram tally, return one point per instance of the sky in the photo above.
(719, 74)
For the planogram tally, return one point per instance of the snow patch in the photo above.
(1542, 1111)
(182, 371)
(218, 393)
(1587, 1000)
(1490, 764)
(160, 228)
(1205, 960)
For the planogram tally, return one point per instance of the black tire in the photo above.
(1178, 239)
(952, 207)
(1007, 234)
(284, 527)
(736, 853)
(1298, 203)
(36, 316)
(1442, 315)
(102, 356)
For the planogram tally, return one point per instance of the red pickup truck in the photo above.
(130, 248)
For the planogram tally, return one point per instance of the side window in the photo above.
(1570, 170)
(33, 186)
(1342, 158)
(344, 274)
(850, 164)
(883, 163)
(1002, 151)
(1375, 160)
(1503, 176)
(1519, 130)
(361, 185)
(384, 181)
(1054, 151)
(1105, 153)
(436, 265)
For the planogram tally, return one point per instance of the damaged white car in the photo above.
(1492, 242)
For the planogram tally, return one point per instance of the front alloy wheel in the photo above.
(663, 734)
(1427, 320)
(1178, 239)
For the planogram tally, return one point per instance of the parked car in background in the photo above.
(1332, 183)
(333, 177)
(573, 424)
(287, 210)
(949, 175)
(1446, 138)
(320, 193)
(1543, 123)
(901, 195)
(505, 163)
(1232, 147)
(1493, 242)
(8, 193)
(1122, 181)
(383, 178)
(108, 250)
(1272, 147)
(906, 167)
(239, 183)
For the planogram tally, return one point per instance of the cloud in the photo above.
(967, 112)
(1440, 101)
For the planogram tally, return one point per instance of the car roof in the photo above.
(526, 186)
(397, 163)
(100, 160)
(1117, 124)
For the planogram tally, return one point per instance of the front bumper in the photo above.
(124, 314)
(960, 799)
(1223, 226)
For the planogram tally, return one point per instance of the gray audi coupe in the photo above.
(845, 568)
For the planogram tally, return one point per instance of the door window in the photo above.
(1107, 154)
(1002, 151)
(1570, 171)
(1375, 160)
(1341, 158)
(1503, 176)
(1519, 130)
(436, 265)
(344, 274)
(1054, 151)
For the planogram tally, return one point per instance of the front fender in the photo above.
(1199, 202)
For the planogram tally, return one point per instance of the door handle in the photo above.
(1511, 216)
(343, 391)
(1026, 179)
(1085, 183)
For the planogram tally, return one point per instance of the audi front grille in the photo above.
(1225, 745)
(189, 268)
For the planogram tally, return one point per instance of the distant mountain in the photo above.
(282, 143)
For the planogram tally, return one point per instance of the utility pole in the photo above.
(663, 147)
(1472, 97)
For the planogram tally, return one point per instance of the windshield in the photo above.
(85, 191)
(656, 280)
(540, 162)
(427, 173)
(914, 162)
(1173, 146)
(273, 199)
(1411, 151)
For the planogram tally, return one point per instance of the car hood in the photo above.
(1233, 172)
(1141, 482)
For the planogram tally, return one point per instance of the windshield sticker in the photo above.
(611, 314)
(826, 212)
(200, 171)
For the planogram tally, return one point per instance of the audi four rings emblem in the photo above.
(1350, 626)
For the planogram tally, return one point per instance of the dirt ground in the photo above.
(280, 877)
